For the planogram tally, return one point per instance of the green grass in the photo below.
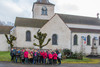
(5, 56)
(85, 60)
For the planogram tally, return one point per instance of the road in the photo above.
(9, 64)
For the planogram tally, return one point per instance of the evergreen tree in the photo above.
(10, 39)
(41, 38)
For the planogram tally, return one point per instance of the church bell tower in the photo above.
(43, 9)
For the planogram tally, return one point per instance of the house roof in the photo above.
(5, 29)
(27, 22)
(43, 2)
(80, 30)
(72, 19)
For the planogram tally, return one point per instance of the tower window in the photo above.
(44, 10)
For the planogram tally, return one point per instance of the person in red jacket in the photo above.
(41, 56)
(26, 56)
(50, 58)
(54, 58)
(44, 57)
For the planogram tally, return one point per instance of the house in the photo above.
(4, 46)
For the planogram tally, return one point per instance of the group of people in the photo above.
(35, 56)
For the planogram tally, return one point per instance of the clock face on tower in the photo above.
(44, 8)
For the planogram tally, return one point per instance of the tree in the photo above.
(41, 38)
(10, 39)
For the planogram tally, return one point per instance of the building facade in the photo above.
(4, 46)
(77, 33)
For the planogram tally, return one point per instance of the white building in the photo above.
(77, 33)
(4, 46)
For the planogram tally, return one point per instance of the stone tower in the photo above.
(43, 9)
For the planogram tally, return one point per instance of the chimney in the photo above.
(97, 15)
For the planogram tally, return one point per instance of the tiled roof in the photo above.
(73, 19)
(43, 2)
(27, 22)
(5, 29)
(80, 30)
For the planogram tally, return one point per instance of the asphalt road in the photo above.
(8, 64)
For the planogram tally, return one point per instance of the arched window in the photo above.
(99, 40)
(28, 36)
(75, 40)
(44, 10)
(54, 39)
(88, 40)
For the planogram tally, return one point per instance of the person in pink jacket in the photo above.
(26, 56)
(44, 57)
(50, 58)
(55, 58)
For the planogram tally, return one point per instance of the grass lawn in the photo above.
(5, 56)
(84, 61)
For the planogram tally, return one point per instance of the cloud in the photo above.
(71, 7)
(10, 9)
(13, 7)
(15, 1)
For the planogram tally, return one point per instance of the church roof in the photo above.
(72, 19)
(27, 22)
(43, 2)
(80, 30)
(5, 29)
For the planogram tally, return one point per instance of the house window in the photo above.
(75, 40)
(44, 10)
(28, 36)
(54, 39)
(88, 40)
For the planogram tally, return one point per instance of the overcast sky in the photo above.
(10, 9)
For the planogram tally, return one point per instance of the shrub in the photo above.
(70, 55)
(77, 56)
(80, 56)
(67, 53)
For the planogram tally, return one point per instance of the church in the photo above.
(77, 33)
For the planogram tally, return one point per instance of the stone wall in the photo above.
(86, 48)
(3, 43)
(57, 26)
(37, 11)
(21, 37)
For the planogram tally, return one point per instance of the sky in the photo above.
(10, 9)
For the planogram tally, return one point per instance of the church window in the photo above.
(44, 10)
(99, 40)
(88, 40)
(28, 36)
(75, 40)
(54, 39)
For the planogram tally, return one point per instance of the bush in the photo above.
(70, 55)
(74, 55)
(77, 56)
(67, 53)
(80, 56)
